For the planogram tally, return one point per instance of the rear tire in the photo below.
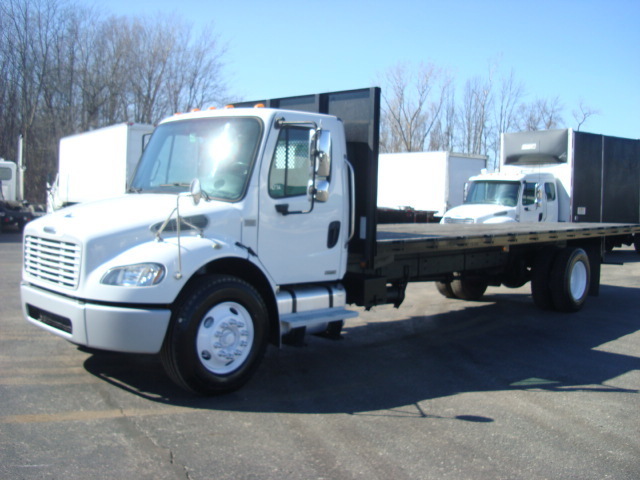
(469, 288)
(570, 279)
(217, 335)
(540, 275)
(445, 289)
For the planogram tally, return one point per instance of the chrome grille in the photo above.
(55, 261)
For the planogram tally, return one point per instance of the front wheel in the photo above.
(217, 335)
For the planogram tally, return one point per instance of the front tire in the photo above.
(217, 336)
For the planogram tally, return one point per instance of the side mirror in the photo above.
(195, 190)
(539, 193)
(322, 153)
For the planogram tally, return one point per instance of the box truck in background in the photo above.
(558, 175)
(431, 182)
(97, 164)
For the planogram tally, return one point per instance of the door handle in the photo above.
(334, 234)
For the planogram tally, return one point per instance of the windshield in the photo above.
(499, 193)
(218, 151)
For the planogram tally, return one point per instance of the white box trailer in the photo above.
(97, 164)
(427, 181)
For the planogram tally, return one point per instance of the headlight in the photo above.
(139, 275)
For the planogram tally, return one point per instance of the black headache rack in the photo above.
(359, 111)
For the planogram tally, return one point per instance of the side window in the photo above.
(550, 190)
(529, 194)
(289, 173)
(5, 173)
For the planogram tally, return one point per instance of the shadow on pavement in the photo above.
(504, 343)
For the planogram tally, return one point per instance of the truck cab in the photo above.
(7, 180)
(504, 197)
(234, 233)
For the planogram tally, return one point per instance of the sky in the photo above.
(576, 50)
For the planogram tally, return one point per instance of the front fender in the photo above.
(196, 252)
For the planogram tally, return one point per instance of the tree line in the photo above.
(422, 113)
(66, 68)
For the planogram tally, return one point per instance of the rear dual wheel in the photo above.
(465, 288)
(561, 279)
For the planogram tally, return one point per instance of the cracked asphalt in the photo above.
(438, 389)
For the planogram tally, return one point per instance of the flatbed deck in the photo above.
(413, 237)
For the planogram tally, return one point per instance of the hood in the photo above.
(103, 217)
(472, 213)
(106, 228)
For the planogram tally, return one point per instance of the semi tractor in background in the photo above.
(97, 164)
(258, 224)
(558, 176)
(14, 211)
(422, 186)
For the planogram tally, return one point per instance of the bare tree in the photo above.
(474, 115)
(542, 114)
(507, 98)
(65, 68)
(582, 114)
(442, 136)
(194, 76)
(412, 104)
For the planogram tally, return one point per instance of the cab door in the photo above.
(532, 207)
(298, 238)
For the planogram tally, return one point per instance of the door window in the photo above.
(529, 194)
(550, 191)
(290, 167)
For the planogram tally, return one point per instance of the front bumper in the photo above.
(105, 327)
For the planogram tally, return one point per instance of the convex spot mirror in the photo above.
(322, 191)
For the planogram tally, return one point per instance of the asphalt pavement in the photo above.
(437, 389)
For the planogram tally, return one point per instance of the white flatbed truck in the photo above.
(245, 226)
